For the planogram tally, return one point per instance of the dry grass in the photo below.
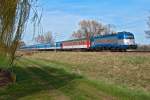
(125, 69)
(52, 76)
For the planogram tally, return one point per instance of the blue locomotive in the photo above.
(121, 40)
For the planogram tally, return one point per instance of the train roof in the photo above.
(110, 35)
(124, 32)
(37, 44)
(74, 40)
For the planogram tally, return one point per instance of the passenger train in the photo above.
(120, 41)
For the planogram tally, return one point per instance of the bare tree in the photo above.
(49, 38)
(45, 38)
(109, 29)
(90, 28)
(78, 35)
(39, 39)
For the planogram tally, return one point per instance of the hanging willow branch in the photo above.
(13, 17)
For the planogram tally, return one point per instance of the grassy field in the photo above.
(81, 76)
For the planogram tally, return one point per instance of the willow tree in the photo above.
(13, 17)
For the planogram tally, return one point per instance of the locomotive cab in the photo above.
(127, 40)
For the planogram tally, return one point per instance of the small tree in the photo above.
(49, 38)
(39, 39)
(45, 38)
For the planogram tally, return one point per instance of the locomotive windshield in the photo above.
(125, 35)
(129, 37)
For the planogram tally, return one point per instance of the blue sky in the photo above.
(63, 16)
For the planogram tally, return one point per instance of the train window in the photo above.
(125, 37)
(129, 37)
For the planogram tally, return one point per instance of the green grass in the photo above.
(33, 79)
(44, 80)
(4, 62)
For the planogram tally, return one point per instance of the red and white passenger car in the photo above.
(76, 44)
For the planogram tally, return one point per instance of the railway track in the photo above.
(142, 51)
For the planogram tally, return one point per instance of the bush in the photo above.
(144, 47)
